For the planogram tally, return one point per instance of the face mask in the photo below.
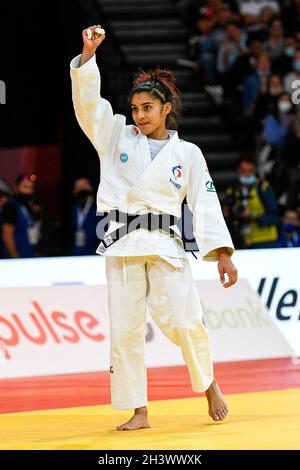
(289, 51)
(297, 65)
(289, 227)
(275, 91)
(284, 106)
(248, 180)
(81, 196)
(263, 73)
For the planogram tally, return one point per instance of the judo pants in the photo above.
(170, 295)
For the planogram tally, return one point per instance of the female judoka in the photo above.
(146, 172)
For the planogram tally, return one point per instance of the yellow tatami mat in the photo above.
(260, 420)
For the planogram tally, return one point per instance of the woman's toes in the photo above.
(121, 427)
(221, 414)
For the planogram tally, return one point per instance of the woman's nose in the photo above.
(141, 115)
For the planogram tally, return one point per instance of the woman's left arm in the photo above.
(209, 227)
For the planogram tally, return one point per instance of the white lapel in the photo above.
(154, 165)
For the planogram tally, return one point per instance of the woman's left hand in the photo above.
(226, 266)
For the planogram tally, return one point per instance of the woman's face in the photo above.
(263, 63)
(266, 14)
(148, 113)
(276, 28)
(275, 82)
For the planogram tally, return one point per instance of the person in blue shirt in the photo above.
(289, 235)
(20, 222)
(256, 83)
(232, 47)
(84, 218)
(279, 123)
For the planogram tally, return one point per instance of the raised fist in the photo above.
(92, 37)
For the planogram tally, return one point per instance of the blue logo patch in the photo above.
(123, 157)
(210, 187)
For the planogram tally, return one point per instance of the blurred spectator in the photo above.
(294, 75)
(244, 65)
(232, 83)
(276, 86)
(266, 103)
(284, 63)
(209, 9)
(278, 126)
(21, 221)
(255, 86)
(286, 172)
(261, 29)
(290, 229)
(250, 209)
(251, 9)
(207, 44)
(274, 45)
(280, 122)
(256, 83)
(84, 218)
(233, 46)
(209, 33)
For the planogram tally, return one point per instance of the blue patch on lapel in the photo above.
(123, 157)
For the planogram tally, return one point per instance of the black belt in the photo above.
(148, 221)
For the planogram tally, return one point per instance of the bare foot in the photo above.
(217, 406)
(138, 421)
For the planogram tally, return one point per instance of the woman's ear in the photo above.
(168, 107)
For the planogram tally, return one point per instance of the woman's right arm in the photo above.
(94, 114)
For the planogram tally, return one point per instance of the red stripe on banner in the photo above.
(89, 389)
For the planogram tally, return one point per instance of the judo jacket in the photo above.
(131, 182)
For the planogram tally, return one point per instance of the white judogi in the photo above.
(149, 269)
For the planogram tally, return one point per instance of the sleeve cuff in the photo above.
(211, 254)
(74, 65)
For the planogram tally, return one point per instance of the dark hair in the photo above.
(290, 207)
(235, 23)
(273, 19)
(20, 178)
(160, 83)
(250, 40)
(82, 177)
(246, 156)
